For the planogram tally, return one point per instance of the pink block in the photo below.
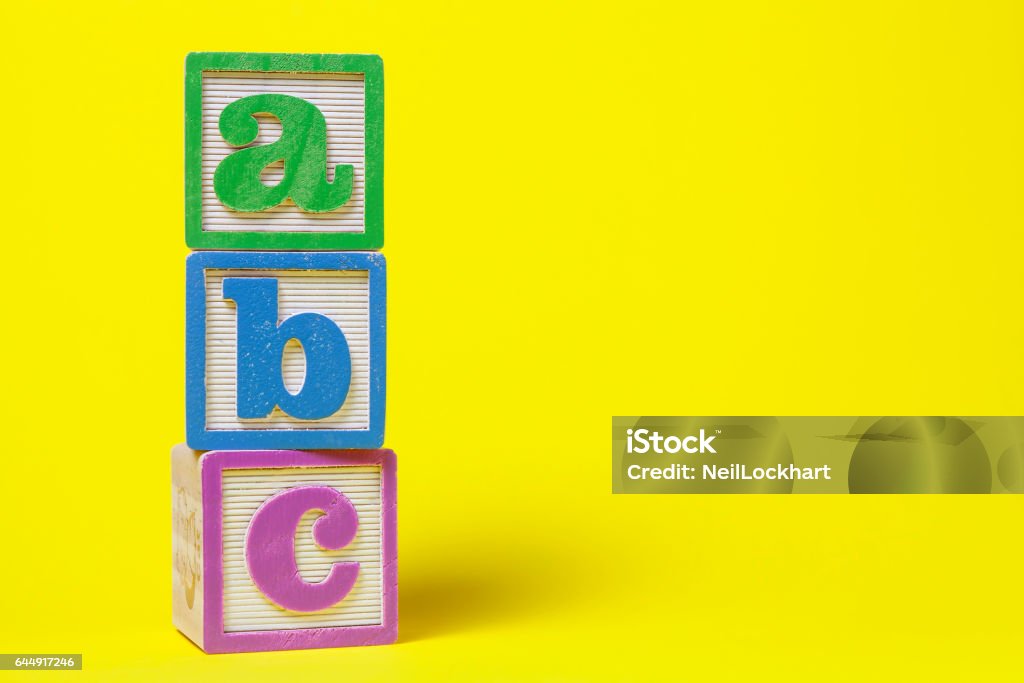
(284, 550)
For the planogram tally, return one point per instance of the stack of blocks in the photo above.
(283, 503)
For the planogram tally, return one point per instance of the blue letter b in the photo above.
(261, 342)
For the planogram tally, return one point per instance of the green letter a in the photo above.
(302, 147)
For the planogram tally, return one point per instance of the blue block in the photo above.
(249, 385)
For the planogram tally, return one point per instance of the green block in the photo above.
(267, 171)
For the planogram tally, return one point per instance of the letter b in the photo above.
(260, 348)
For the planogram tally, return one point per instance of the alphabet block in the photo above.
(281, 550)
(284, 151)
(285, 350)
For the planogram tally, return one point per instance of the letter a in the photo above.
(302, 147)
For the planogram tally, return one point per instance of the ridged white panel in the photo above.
(343, 296)
(340, 97)
(245, 607)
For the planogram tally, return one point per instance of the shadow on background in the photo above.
(478, 582)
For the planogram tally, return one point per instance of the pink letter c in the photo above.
(270, 547)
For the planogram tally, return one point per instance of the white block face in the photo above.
(245, 490)
(339, 97)
(343, 296)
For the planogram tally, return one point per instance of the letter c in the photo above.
(270, 547)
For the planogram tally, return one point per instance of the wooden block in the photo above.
(285, 350)
(284, 550)
(284, 151)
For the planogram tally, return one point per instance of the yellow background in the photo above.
(597, 209)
